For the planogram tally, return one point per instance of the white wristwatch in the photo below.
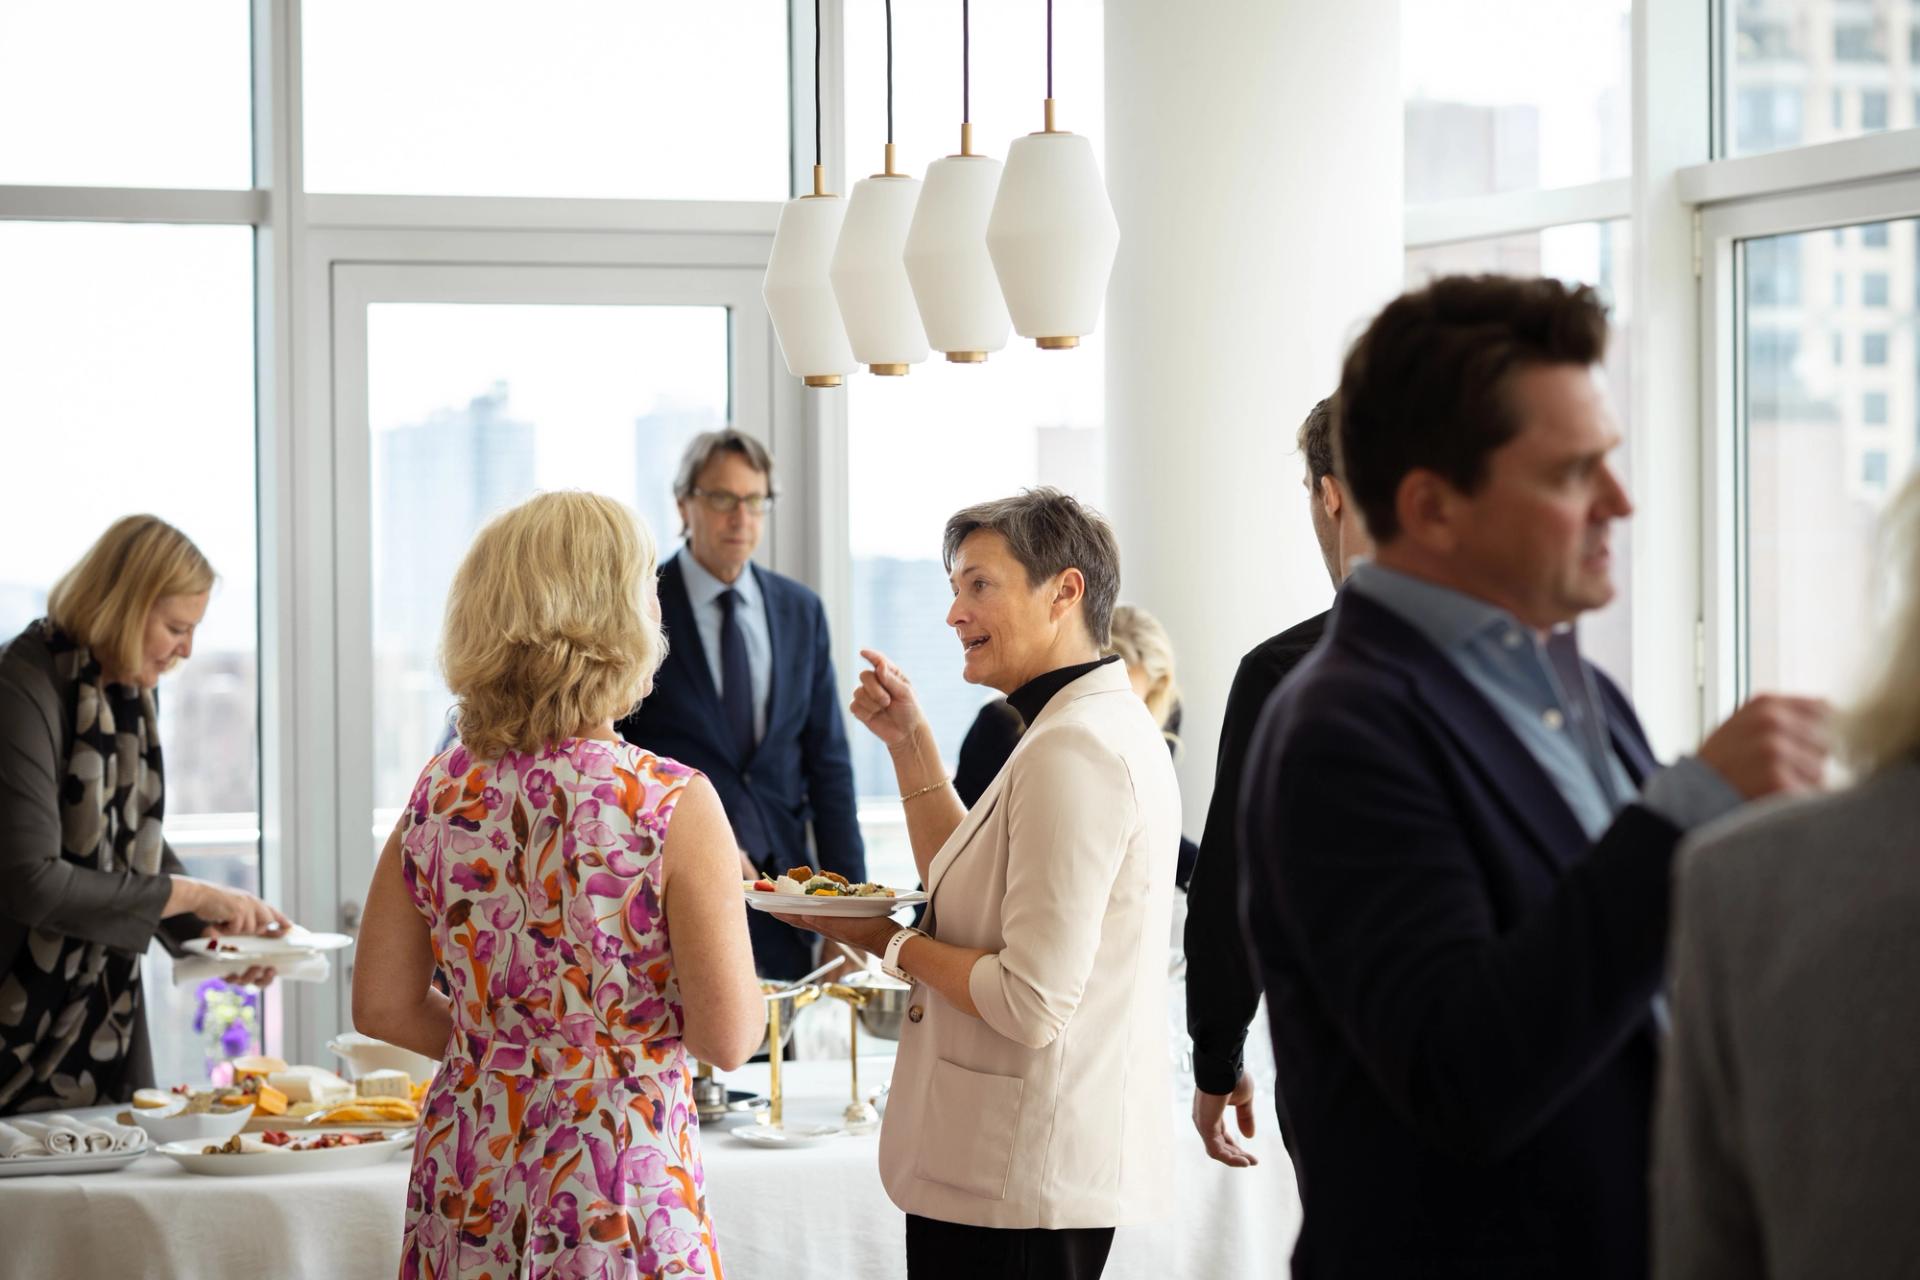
(890, 961)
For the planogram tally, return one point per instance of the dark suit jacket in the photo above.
(1459, 980)
(800, 775)
(1223, 987)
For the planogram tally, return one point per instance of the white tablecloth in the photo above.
(153, 1220)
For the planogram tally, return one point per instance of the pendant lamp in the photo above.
(798, 294)
(1052, 233)
(869, 279)
(946, 255)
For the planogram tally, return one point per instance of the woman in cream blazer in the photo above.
(1030, 1112)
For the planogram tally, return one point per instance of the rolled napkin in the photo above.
(15, 1143)
(63, 1135)
(126, 1137)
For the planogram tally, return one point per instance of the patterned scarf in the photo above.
(69, 1009)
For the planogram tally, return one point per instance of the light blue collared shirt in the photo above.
(1547, 697)
(703, 593)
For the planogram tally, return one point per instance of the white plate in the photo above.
(765, 1135)
(295, 942)
(790, 904)
(192, 1157)
(87, 1162)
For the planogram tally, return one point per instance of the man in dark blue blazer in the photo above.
(1458, 843)
(747, 693)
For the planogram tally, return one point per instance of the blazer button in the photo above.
(915, 1013)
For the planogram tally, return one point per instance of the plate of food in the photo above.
(803, 891)
(188, 1114)
(296, 943)
(279, 1151)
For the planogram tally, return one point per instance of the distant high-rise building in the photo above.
(659, 438)
(1456, 149)
(437, 483)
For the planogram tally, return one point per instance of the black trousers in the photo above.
(950, 1251)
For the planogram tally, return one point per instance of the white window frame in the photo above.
(1781, 209)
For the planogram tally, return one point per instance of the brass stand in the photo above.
(775, 1109)
(859, 1113)
(801, 997)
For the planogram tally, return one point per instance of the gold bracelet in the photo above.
(915, 795)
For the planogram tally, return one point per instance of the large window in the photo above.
(1495, 103)
(925, 445)
(475, 408)
(563, 98)
(129, 388)
(1595, 253)
(1801, 71)
(1826, 441)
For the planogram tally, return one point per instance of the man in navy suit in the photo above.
(747, 693)
(1458, 843)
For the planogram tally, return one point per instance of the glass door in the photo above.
(461, 391)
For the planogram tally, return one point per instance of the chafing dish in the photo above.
(782, 1003)
(882, 1003)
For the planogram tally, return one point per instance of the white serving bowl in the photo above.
(364, 1053)
(212, 1126)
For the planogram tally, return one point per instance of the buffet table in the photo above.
(806, 1212)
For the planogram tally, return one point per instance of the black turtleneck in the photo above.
(1031, 698)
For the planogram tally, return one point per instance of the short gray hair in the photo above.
(1049, 532)
(709, 445)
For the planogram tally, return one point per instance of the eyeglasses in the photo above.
(722, 503)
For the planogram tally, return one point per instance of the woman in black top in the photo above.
(88, 877)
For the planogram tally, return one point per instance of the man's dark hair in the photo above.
(1049, 532)
(1315, 440)
(707, 446)
(1426, 385)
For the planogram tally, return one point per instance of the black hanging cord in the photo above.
(1049, 48)
(816, 82)
(966, 63)
(890, 71)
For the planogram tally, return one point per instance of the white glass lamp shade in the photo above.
(799, 297)
(1053, 236)
(870, 280)
(948, 262)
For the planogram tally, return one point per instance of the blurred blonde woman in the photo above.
(89, 878)
(1143, 645)
(1785, 1142)
(581, 899)
(1147, 651)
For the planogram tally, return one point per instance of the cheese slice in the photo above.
(310, 1084)
(385, 1083)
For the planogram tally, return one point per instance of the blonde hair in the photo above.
(103, 602)
(1142, 642)
(547, 628)
(1882, 728)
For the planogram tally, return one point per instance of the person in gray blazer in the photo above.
(1788, 1132)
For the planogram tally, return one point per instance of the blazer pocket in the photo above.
(980, 1114)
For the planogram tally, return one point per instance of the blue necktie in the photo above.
(736, 678)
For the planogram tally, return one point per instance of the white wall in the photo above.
(1254, 156)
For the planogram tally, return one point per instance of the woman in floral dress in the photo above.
(580, 899)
